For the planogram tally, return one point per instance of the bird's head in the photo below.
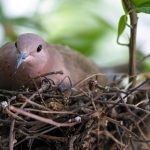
(31, 50)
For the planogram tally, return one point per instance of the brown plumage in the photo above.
(31, 56)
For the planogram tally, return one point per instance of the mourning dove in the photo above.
(30, 56)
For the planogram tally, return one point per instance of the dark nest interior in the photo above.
(87, 116)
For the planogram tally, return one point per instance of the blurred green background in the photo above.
(89, 26)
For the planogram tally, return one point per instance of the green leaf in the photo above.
(138, 3)
(124, 7)
(121, 25)
(142, 6)
(143, 10)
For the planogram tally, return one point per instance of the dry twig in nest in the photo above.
(91, 117)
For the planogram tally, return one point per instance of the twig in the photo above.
(71, 143)
(54, 138)
(42, 119)
(11, 136)
(113, 138)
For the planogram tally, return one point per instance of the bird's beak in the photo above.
(20, 58)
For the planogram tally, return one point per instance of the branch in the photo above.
(132, 42)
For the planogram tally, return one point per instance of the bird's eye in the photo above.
(39, 48)
(16, 44)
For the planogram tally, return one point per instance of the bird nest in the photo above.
(89, 117)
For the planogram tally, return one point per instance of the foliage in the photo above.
(10, 24)
(139, 6)
(77, 24)
(73, 23)
(121, 25)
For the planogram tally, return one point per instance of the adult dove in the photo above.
(30, 56)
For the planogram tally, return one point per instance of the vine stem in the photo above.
(133, 35)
